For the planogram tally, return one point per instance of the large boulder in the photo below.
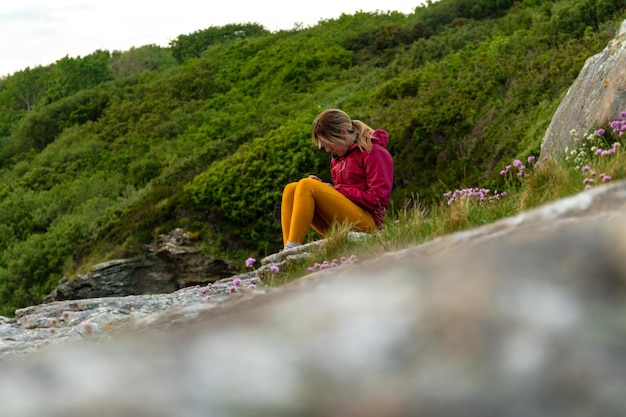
(594, 100)
(523, 317)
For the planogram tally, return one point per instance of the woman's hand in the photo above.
(315, 177)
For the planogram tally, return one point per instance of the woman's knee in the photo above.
(308, 184)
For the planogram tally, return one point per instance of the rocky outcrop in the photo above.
(172, 263)
(523, 317)
(594, 100)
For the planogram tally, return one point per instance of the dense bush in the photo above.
(243, 191)
(42, 126)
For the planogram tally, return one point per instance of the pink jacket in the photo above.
(364, 177)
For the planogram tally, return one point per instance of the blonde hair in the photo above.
(329, 125)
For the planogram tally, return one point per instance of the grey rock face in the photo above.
(113, 279)
(174, 262)
(595, 99)
(523, 317)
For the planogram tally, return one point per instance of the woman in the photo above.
(362, 173)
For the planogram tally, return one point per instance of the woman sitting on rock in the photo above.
(362, 173)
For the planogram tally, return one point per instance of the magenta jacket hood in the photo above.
(366, 178)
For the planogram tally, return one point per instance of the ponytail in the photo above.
(364, 141)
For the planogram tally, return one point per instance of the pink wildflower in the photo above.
(250, 262)
(349, 260)
(251, 286)
(88, 327)
(236, 282)
(274, 269)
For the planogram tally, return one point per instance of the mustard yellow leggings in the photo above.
(312, 203)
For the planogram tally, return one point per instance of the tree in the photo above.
(70, 75)
(28, 86)
(137, 60)
(193, 45)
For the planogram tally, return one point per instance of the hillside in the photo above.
(99, 154)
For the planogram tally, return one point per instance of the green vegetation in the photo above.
(101, 154)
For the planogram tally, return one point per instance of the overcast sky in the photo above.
(40, 32)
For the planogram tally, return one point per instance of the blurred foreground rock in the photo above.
(523, 317)
(53, 324)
